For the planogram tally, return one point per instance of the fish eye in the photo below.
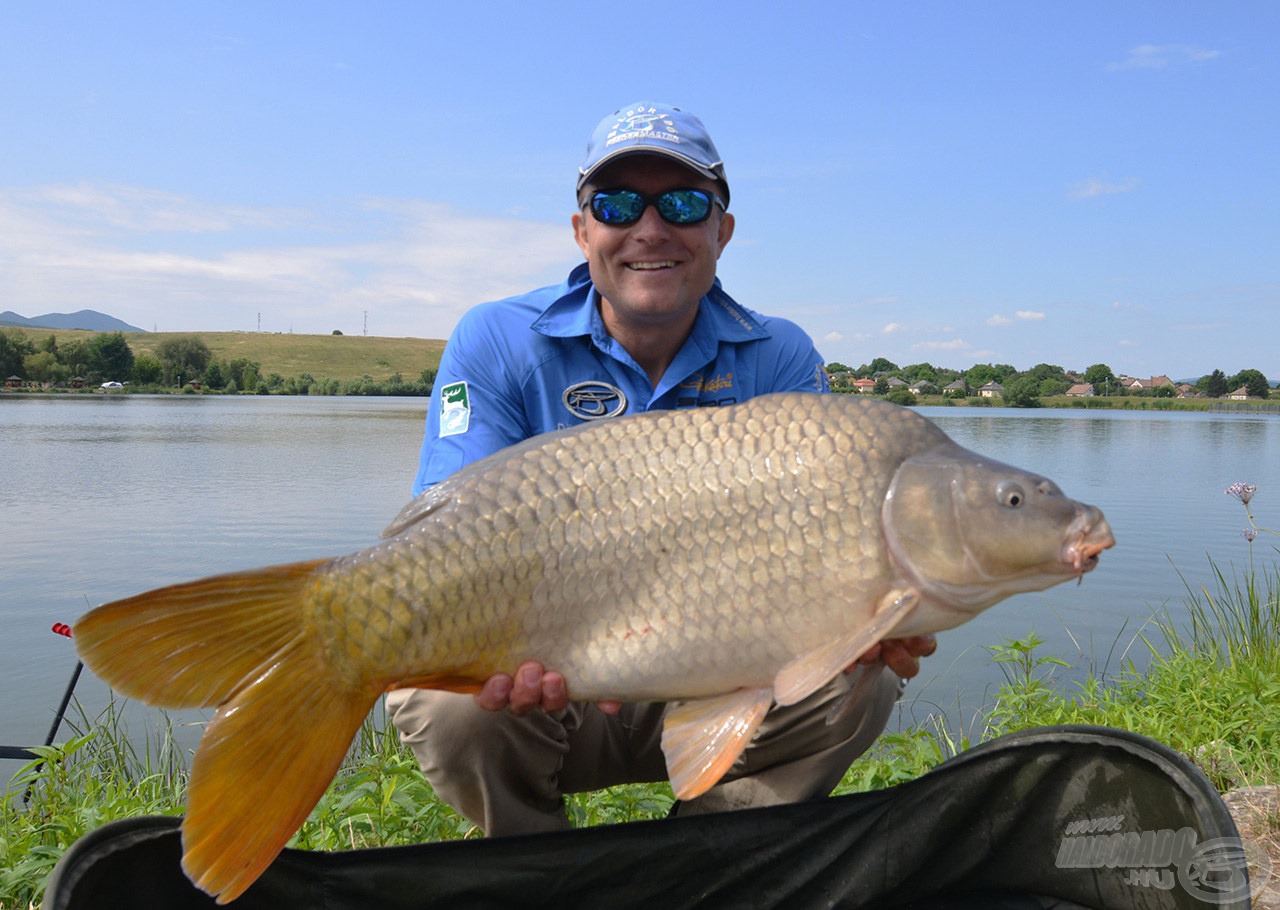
(1011, 495)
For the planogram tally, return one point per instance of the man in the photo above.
(643, 325)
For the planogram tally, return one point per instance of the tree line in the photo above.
(184, 362)
(1025, 388)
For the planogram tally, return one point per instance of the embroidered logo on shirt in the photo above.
(594, 400)
(455, 409)
(699, 382)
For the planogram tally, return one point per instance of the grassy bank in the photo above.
(341, 357)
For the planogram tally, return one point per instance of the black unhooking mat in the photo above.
(1061, 817)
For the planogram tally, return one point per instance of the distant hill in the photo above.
(340, 357)
(91, 320)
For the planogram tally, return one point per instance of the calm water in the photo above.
(104, 496)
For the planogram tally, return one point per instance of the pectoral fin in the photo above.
(701, 739)
(809, 672)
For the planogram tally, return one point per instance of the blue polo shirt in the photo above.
(543, 361)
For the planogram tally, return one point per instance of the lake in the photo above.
(103, 496)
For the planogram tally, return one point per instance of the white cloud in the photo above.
(832, 337)
(1160, 56)
(97, 208)
(1102, 186)
(999, 319)
(892, 327)
(955, 344)
(177, 263)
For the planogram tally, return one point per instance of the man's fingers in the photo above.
(902, 655)
(898, 659)
(496, 692)
(526, 691)
(927, 645)
(555, 694)
(531, 688)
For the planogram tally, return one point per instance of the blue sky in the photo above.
(1008, 182)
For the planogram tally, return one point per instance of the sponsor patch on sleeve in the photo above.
(455, 409)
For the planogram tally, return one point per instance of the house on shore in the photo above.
(1147, 385)
(992, 389)
(1081, 390)
(841, 380)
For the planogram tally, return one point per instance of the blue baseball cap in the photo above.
(654, 129)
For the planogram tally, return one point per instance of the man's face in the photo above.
(651, 274)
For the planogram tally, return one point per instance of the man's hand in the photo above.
(532, 688)
(901, 655)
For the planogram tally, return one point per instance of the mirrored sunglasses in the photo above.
(681, 207)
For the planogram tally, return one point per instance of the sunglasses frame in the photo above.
(647, 199)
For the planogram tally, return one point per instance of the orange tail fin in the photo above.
(282, 728)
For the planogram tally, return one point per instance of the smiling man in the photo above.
(644, 324)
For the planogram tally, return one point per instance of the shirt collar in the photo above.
(574, 313)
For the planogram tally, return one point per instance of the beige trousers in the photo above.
(508, 775)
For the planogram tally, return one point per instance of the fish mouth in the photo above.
(1093, 536)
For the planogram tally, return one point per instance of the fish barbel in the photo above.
(719, 559)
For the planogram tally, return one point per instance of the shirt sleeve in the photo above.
(790, 362)
(475, 408)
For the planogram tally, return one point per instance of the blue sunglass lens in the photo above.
(617, 207)
(684, 206)
(622, 207)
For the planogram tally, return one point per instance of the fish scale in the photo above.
(718, 559)
(642, 536)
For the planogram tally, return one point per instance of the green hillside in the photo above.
(339, 357)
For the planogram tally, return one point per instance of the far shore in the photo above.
(1115, 402)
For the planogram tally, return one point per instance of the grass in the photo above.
(1208, 691)
(341, 357)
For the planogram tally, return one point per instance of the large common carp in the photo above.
(722, 558)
